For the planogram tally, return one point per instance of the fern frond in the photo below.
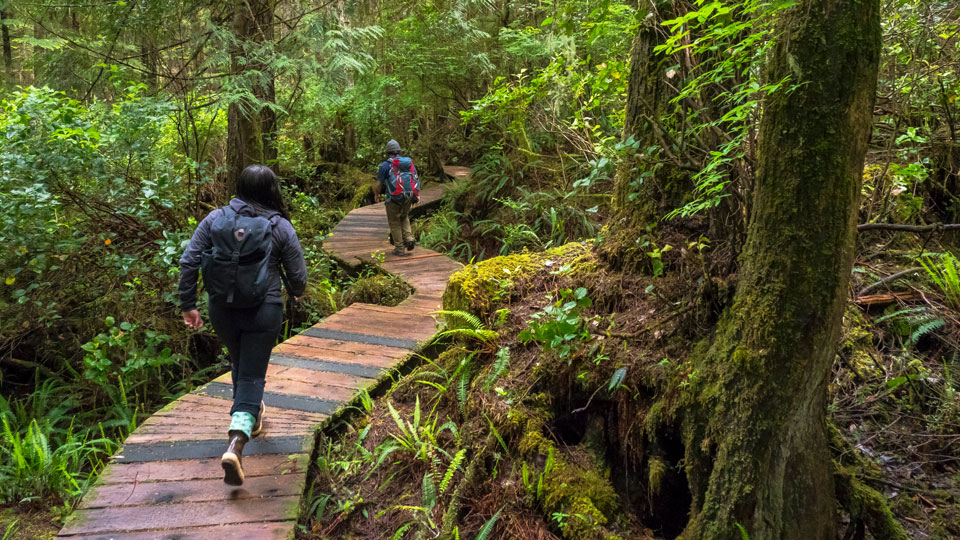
(452, 469)
(926, 328)
(488, 526)
(472, 320)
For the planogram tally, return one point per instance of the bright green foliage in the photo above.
(44, 451)
(945, 274)
(731, 42)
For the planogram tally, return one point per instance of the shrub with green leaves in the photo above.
(560, 325)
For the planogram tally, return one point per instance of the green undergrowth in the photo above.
(554, 413)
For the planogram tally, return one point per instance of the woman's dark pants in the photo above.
(249, 335)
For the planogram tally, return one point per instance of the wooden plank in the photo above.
(201, 416)
(198, 469)
(280, 400)
(326, 367)
(167, 516)
(371, 339)
(200, 403)
(191, 491)
(336, 392)
(342, 380)
(413, 329)
(278, 530)
(177, 432)
(350, 352)
(371, 319)
(202, 449)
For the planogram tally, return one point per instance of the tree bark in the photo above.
(645, 100)
(7, 48)
(251, 126)
(755, 409)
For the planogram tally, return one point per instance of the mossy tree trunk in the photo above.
(754, 412)
(5, 33)
(637, 205)
(251, 125)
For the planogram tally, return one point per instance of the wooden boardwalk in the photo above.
(166, 482)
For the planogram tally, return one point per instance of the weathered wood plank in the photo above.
(280, 530)
(198, 469)
(191, 491)
(167, 516)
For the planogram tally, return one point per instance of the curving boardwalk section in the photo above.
(166, 482)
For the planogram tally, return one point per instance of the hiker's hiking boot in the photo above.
(258, 426)
(231, 459)
(399, 251)
(410, 245)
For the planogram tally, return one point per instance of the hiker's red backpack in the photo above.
(403, 184)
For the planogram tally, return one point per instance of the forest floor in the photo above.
(555, 430)
(28, 522)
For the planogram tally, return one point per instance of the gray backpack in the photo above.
(236, 270)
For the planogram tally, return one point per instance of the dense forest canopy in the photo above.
(688, 183)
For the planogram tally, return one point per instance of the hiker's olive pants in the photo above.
(398, 216)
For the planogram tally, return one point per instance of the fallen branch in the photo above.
(888, 279)
(888, 298)
(907, 228)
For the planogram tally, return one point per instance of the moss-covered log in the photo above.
(754, 415)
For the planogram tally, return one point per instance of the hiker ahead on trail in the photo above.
(397, 180)
(244, 250)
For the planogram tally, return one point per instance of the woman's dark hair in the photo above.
(258, 186)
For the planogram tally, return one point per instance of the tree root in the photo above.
(867, 505)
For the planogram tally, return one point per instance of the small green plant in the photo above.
(461, 324)
(33, 468)
(560, 324)
(945, 274)
(655, 254)
(500, 366)
(125, 356)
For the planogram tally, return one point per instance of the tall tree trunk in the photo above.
(643, 192)
(754, 415)
(638, 204)
(251, 127)
(7, 48)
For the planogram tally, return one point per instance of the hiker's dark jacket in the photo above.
(286, 250)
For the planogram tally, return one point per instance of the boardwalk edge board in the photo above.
(210, 448)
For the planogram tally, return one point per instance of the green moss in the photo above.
(383, 289)
(864, 502)
(856, 346)
(362, 195)
(581, 490)
(478, 286)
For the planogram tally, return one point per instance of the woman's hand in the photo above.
(192, 319)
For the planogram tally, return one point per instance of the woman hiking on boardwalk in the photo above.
(243, 250)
